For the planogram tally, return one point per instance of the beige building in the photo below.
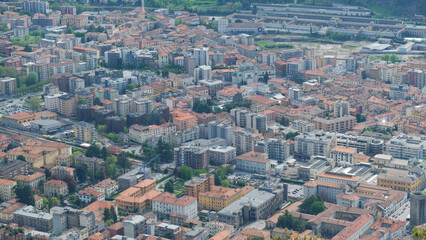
(55, 188)
(108, 186)
(31, 180)
(7, 189)
(343, 156)
(84, 131)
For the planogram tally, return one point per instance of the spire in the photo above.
(143, 5)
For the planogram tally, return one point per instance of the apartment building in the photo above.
(313, 144)
(244, 141)
(340, 124)
(199, 184)
(343, 156)
(108, 186)
(7, 85)
(167, 203)
(253, 162)
(138, 197)
(54, 188)
(406, 147)
(220, 155)
(185, 122)
(220, 197)
(196, 157)
(32, 180)
(277, 149)
(84, 132)
(7, 189)
(30, 217)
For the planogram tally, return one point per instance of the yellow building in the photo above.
(220, 197)
(84, 131)
(399, 180)
(7, 189)
(38, 153)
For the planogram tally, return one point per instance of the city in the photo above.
(212, 120)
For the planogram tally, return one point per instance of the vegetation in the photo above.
(267, 45)
(220, 175)
(419, 233)
(312, 205)
(291, 135)
(123, 162)
(288, 221)
(200, 171)
(26, 40)
(185, 172)
(81, 171)
(169, 187)
(24, 193)
(32, 78)
(338, 36)
(360, 118)
(203, 107)
(35, 103)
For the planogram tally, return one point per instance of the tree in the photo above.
(107, 214)
(288, 221)
(93, 151)
(360, 118)
(224, 183)
(53, 201)
(27, 48)
(69, 30)
(291, 135)
(104, 153)
(25, 194)
(35, 103)
(72, 184)
(419, 233)
(131, 86)
(81, 172)
(123, 162)
(81, 101)
(283, 121)
(113, 214)
(200, 171)
(166, 151)
(185, 172)
(169, 187)
(31, 79)
(111, 171)
(317, 207)
(21, 158)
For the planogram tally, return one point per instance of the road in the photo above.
(402, 213)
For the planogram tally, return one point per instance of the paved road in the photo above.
(402, 213)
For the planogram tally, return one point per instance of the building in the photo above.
(7, 85)
(201, 56)
(89, 194)
(341, 108)
(258, 204)
(32, 180)
(343, 156)
(84, 132)
(220, 197)
(406, 147)
(134, 226)
(203, 73)
(36, 6)
(220, 155)
(277, 149)
(253, 162)
(185, 122)
(94, 164)
(168, 231)
(417, 208)
(30, 217)
(244, 141)
(199, 184)
(66, 218)
(108, 186)
(313, 144)
(54, 188)
(137, 197)
(12, 168)
(399, 180)
(7, 189)
(196, 157)
(167, 203)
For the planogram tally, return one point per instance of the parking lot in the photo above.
(295, 192)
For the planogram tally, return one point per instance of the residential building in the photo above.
(313, 144)
(12, 168)
(253, 162)
(201, 56)
(167, 203)
(219, 197)
(185, 122)
(7, 189)
(108, 186)
(196, 157)
(89, 194)
(199, 184)
(277, 149)
(343, 156)
(134, 226)
(244, 141)
(137, 197)
(94, 164)
(30, 217)
(36, 6)
(7, 85)
(55, 188)
(84, 132)
(32, 180)
(220, 155)
(406, 147)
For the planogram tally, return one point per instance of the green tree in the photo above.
(131, 86)
(316, 208)
(169, 187)
(69, 30)
(104, 153)
(185, 172)
(25, 194)
(224, 183)
(27, 48)
(107, 214)
(53, 201)
(72, 184)
(123, 162)
(81, 101)
(166, 151)
(283, 121)
(32, 78)
(419, 233)
(93, 151)
(200, 171)
(35, 103)
(291, 135)
(111, 171)
(113, 214)
(81, 172)
(21, 158)
(360, 118)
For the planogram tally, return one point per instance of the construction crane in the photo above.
(144, 166)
